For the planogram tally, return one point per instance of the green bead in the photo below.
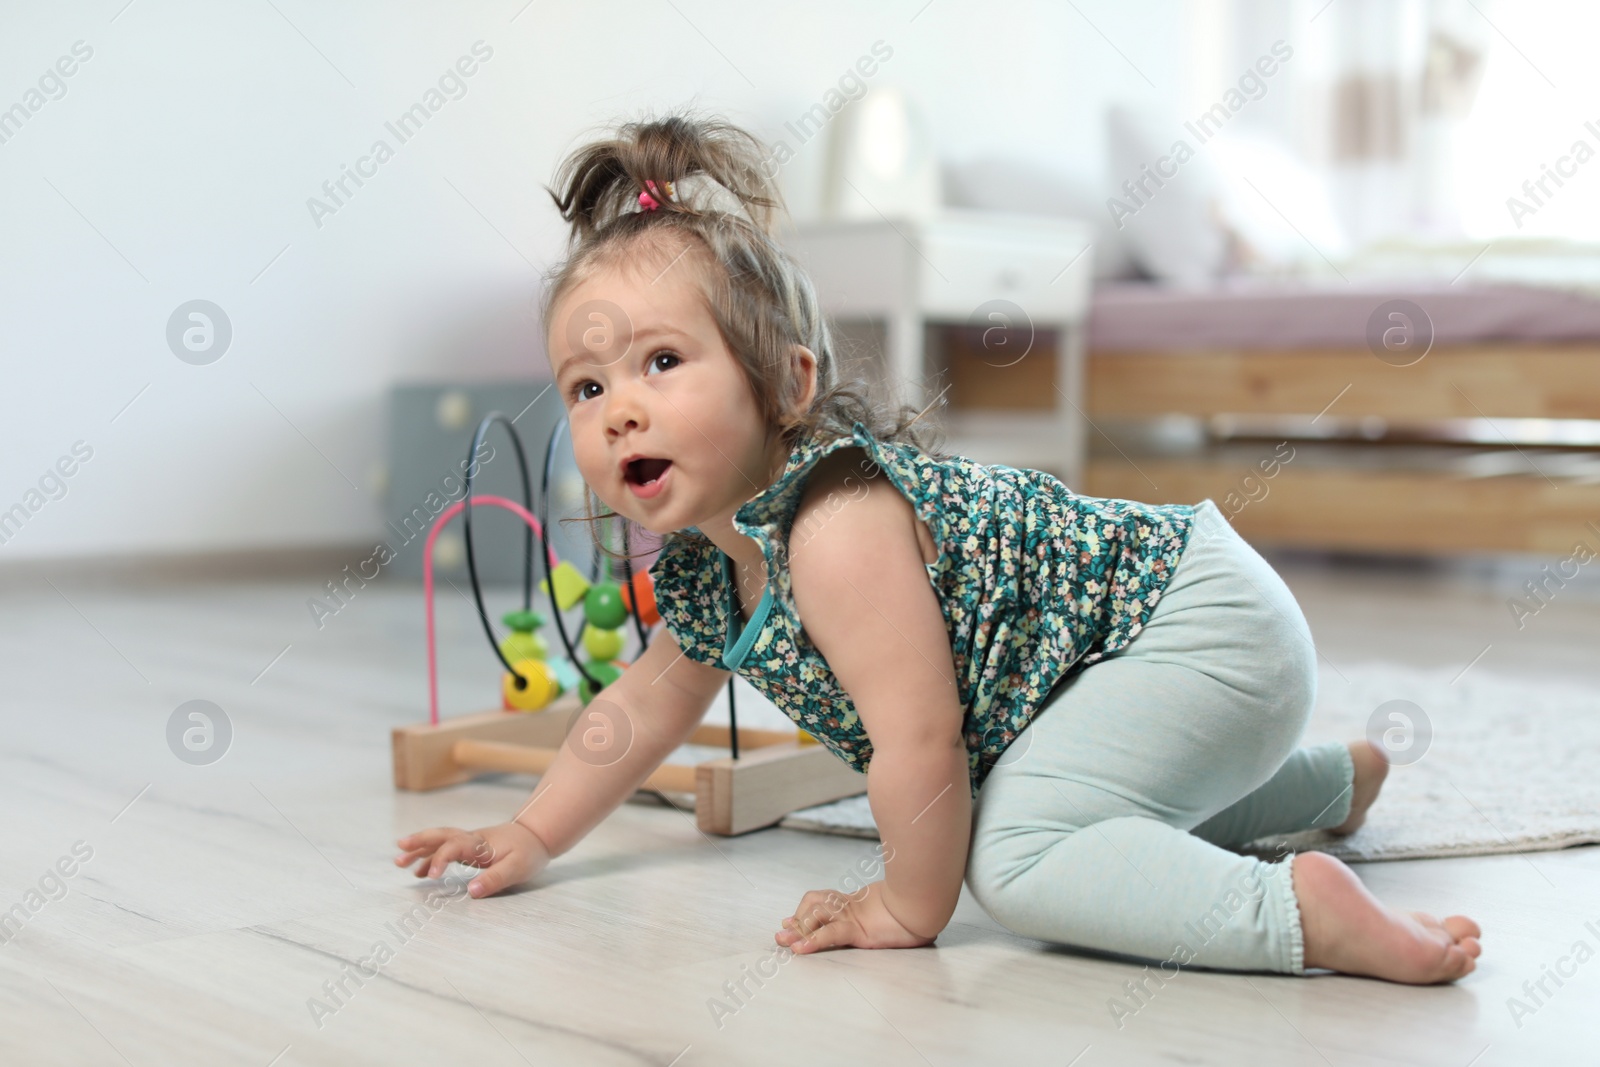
(523, 621)
(521, 645)
(603, 606)
(606, 673)
(601, 644)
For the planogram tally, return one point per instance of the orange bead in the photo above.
(645, 586)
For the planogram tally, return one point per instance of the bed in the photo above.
(1314, 424)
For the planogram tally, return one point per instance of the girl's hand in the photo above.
(510, 851)
(828, 918)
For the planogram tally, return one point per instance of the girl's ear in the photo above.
(804, 377)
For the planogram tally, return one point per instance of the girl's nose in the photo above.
(627, 408)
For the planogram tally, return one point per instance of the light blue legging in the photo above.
(1102, 825)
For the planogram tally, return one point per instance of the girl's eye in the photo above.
(578, 394)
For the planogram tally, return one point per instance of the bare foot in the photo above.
(1347, 929)
(1372, 767)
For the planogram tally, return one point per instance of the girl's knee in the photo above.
(1285, 650)
(988, 874)
(1301, 682)
(1289, 670)
(995, 886)
(997, 866)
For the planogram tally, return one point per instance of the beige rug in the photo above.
(1511, 766)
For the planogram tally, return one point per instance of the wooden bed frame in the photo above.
(1359, 508)
(776, 773)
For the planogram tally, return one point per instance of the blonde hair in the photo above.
(762, 301)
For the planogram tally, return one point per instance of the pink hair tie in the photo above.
(647, 202)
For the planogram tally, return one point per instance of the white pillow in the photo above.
(1025, 187)
(1236, 203)
(1171, 227)
(1262, 189)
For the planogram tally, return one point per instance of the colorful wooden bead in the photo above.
(570, 585)
(540, 689)
(566, 673)
(519, 645)
(642, 591)
(522, 642)
(603, 606)
(523, 621)
(605, 673)
(603, 645)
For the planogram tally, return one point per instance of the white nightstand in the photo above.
(906, 273)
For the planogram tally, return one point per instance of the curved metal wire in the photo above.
(466, 528)
(550, 583)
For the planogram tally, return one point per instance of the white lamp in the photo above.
(881, 161)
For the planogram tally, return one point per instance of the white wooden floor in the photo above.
(209, 905)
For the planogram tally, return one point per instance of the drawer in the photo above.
(1044, 267)
(947, 267)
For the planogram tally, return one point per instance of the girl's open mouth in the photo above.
(647, 476)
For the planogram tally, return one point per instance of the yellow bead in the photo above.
(541, 689)
(603, 645)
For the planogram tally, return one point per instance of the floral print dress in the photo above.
(1034, 581)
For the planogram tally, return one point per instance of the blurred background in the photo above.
(215, 153)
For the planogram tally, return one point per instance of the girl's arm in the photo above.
(647, 713)
(863, 595)
(617, 741)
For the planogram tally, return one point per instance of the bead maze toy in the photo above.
(544, 699)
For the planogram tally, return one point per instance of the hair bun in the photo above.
(714, 166)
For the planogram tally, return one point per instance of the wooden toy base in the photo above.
(773, 776)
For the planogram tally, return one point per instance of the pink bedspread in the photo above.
(1258, 314)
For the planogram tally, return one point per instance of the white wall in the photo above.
(178, 163)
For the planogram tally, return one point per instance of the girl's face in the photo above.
(664, 427)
